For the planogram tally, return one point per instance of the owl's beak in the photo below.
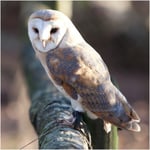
(44, 43)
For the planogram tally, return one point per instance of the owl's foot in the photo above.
(67, 120)
(74, 120)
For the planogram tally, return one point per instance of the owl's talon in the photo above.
(68, 122)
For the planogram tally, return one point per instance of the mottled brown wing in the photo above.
(81, 71)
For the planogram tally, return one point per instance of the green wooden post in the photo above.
(100, 139)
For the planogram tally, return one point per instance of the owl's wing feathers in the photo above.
(81, 71)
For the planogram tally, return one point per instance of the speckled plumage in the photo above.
(79, 72)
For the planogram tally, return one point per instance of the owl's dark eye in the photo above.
(35, 30)
(54, 30)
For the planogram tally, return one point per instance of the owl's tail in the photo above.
(124, 116)
(127, 116)
(129, 119)
(134, 119)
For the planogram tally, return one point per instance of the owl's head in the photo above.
(47, 29)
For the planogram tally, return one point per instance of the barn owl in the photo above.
(78, 71)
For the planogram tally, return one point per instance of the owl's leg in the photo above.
(107, 126)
